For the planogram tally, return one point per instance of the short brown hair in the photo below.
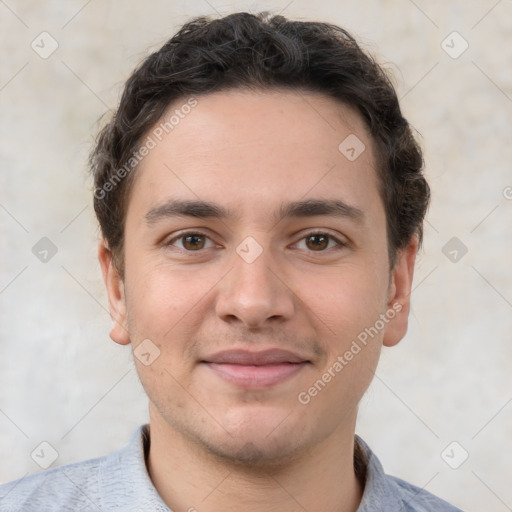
(261, 52)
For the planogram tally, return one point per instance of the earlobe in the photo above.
(116, 295)
(399, 295)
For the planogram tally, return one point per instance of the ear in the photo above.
(116, 295)
(399, 294)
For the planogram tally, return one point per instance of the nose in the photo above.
(255, 293)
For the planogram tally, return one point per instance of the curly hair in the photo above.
(261, 52)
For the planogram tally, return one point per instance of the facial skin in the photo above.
(251, 153)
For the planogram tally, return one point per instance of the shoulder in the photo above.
(70, 487)
(389, 493)
(117, 481)
(416, 499)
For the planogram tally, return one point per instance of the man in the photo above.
(261, 201)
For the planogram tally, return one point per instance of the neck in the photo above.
(190, 479)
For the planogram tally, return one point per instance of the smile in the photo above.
(252, 377)
(253, 370)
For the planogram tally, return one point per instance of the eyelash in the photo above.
(311, 233)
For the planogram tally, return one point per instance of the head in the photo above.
(258, 188)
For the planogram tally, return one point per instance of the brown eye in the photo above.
(317, 242)
(193, 242)
(320, 241)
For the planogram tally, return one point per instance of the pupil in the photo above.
(321, 241)
(193, 241)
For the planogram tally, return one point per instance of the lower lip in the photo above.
(253, 377)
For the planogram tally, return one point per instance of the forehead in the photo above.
(251, 148)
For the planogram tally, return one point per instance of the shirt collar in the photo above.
(380, 492)
(125, 480)
(128, 466)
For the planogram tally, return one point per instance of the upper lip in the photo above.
(260, 358)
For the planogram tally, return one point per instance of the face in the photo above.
(255, 263)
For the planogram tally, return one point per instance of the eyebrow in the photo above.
(205, 209)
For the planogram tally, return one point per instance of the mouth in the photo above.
(255, 370)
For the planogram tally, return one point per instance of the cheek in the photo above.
(344, 312)
(161, 297)
(346, 301)
(346, 309)
(169, 306)
(163, 307)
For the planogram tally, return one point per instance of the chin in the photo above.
(256, 437)
(255, 451)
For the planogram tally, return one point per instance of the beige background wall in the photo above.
(64, 382)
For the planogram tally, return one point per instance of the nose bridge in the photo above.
(253, 292)
(255, 276)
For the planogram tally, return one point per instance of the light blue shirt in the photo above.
(120, 482)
